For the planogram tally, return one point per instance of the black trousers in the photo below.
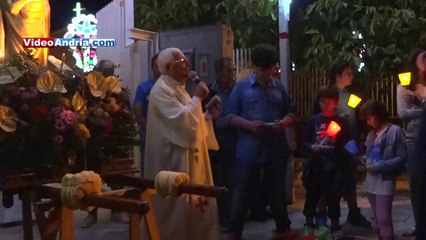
(274, 172)
(318, 184)
(421, 224)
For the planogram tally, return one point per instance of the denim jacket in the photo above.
(251, 101)
(393, 151)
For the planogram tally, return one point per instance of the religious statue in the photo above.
(1, 38)
(24, 18)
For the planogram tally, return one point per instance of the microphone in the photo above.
(193, 76)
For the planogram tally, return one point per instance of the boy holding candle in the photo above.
(327, 162)
(340, 75)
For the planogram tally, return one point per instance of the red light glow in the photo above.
(333, 129)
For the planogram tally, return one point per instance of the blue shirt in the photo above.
(226, 134)
(142, 95)
(251, 101)
(221, 122)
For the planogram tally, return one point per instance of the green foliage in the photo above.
(252, 21)
(389, 29)
(319, 30)
(157, 15)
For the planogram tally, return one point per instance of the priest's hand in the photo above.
(201, 90)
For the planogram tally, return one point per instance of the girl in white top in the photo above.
(385, 158)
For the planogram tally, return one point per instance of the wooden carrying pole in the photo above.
(147, 188)
(53, 191)
(143, 183)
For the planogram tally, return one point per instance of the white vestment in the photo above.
(176, 141)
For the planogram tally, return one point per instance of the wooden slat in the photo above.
(17, 181)
(66, 231)
(26, 215)
(150, 219)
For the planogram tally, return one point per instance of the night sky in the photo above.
(61, 10)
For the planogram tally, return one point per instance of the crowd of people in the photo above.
(251, 125)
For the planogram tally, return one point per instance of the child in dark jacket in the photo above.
(325, 167)
(385, 158)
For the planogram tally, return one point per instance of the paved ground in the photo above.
(106, 230)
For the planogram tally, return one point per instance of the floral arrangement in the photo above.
(51, 118)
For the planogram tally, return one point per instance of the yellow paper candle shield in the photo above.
(405, 78)
(353, 101)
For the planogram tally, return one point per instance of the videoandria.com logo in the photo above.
(67, 42)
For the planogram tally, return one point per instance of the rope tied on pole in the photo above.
(167, 183)
(76, 186)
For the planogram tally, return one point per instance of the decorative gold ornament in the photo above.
(78, 102)
(8, 119)
(113, 84)
(49, 82)
(82, 131)
(97, 84)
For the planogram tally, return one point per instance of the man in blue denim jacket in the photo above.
(260, 108)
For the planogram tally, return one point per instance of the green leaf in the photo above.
(194, 3)
(310, 8)
(274, 16)
(371, 30)
(312, 31)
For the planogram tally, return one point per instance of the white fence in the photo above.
(242, 63)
